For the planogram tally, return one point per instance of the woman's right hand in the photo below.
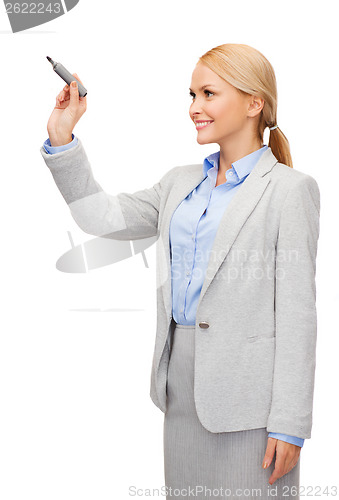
(67, 112)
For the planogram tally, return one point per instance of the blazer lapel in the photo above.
(235, 216)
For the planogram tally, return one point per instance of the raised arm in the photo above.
(121, 216)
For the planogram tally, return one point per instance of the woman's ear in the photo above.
(255, 106)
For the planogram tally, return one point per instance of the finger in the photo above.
(82, 99)
(269, 453)
(289, 469)
(279, 468)
(58, 103)
(62, 97)
(65, 95)
(291, 464)
(59, 97)
(74, 96)
(77, 77)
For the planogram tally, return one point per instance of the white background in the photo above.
(76, 419)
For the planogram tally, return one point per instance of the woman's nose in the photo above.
(195, 107)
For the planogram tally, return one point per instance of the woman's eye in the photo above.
(192, 94)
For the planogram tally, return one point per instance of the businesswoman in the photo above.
(234, 358)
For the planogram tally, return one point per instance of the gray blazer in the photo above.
(256, 321)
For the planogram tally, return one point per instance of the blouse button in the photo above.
(204, 324)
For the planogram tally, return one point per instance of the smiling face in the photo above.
(219, 110)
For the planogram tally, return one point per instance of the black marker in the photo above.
(67, 76)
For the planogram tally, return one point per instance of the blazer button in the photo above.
(204, 324)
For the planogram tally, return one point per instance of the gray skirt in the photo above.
(205, 465)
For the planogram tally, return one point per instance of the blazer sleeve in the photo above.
(295, 311)
(123, 216)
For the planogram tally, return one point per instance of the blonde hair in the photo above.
(250, 72)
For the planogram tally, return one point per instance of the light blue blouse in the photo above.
(192, 231)
(193, 228)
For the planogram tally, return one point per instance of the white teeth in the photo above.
(202, 124)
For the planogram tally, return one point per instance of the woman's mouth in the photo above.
(202, 124)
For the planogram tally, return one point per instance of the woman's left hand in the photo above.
(287, 455)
